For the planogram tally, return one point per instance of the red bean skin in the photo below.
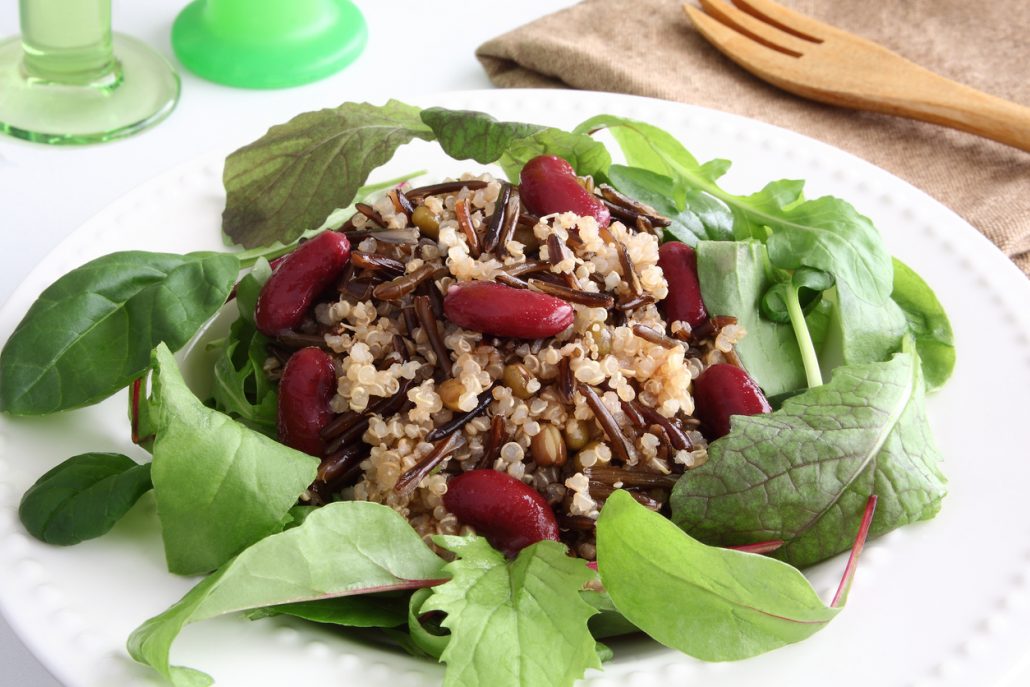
(307, 385)
(679, 264)
(724, 390)
(510, 514)
(492, 308)
(548, 184)
(303, 274)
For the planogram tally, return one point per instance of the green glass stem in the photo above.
(68, 79)
(67, 43)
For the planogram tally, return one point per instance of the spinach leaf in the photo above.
(83, 497)
(587, 156)
(734, 277)
(349, 548)
(927, 322)
(608, 622)
(291, 178)
(826, 233)
(220, 486)
(464, 134)
(90, 332)
(711, 603)
(859, 331)
(695, 215)
(518, 623)
(803, 474)
(367, 610)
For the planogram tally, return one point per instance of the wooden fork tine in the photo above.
(735, 45)
(755, 29)
(787, 20)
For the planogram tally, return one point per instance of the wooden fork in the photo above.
(820, 62)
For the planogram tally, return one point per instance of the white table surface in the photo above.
(415, 47)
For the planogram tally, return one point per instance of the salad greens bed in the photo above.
(844, 339)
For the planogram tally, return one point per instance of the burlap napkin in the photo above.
(650, 48)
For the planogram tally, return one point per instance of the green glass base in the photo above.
(141, 94)
(268, 43)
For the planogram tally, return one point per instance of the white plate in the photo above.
(937, 604)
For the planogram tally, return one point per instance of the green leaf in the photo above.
(711, 603)
(518, 623)
(587, 156)
(608, 622)
(369, 610)
(240, 387)
(859, 331)
(91, 332)
(342, 549)
(695, 215)
(464, 134)
(83, 497)
(249, 288)
(803, 474)
(825, 233)
(291, 178)
(429, 640)
(219, 485)
(927, 322)
(734, 278)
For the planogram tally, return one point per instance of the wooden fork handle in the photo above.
(933, 98)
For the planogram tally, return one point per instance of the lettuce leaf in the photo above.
(342, 549)
(514, 623)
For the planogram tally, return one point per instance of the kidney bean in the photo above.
(500, 310)
(509, 513)
(548, 184)
(724, 390)
(307, 385)
(298, 279)
(679, 264)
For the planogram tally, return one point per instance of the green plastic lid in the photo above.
(268, 43)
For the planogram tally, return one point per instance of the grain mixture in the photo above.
(604, 404)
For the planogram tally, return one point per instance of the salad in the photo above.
(497, 421)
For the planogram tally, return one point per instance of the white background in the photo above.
(415, 47)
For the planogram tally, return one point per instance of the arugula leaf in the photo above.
(291, 178)
(826, 233)
(695, 215)
(240, 388)
(90, 332)
(927, 322)
(83, 497)
(368, 610)
(464, 134)
(249, 288)
(803, 474)
(219, 486)
(518, 623)
(348, 548)
(587, 156)
(711, 603)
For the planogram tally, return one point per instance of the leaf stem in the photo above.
(759, 547)
(849, 570)
(808, 356)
